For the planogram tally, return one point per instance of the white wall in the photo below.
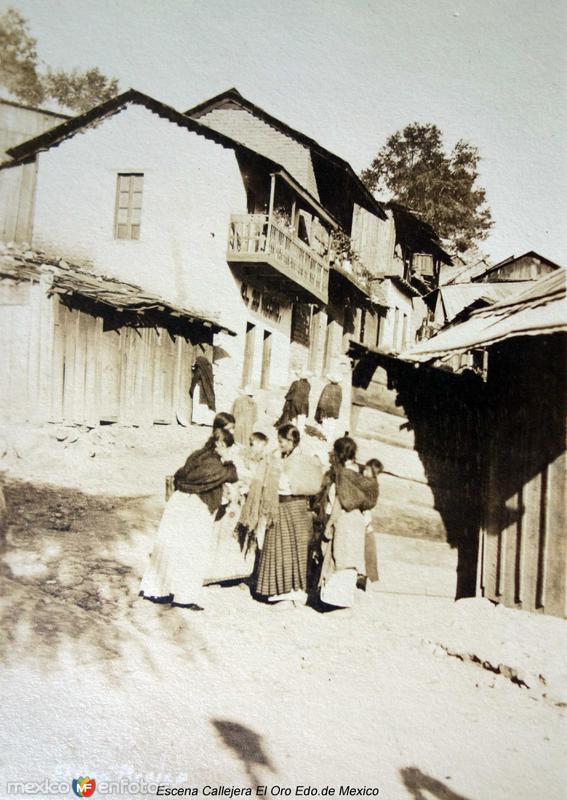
(391, 337)
(191, 187)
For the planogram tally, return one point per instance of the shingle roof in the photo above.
(540, 309)
(458, 296)
(234, 95)
(55, 136)
(105, 292)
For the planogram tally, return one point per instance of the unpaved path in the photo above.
(97, 681)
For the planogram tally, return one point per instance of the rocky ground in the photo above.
(408, 692)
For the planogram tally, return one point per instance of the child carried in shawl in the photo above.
(352, 493)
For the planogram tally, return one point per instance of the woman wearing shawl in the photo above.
(180, 557)
(281, 498)
(347, 495)
(296, 405)
(202, 392)
(329, 406)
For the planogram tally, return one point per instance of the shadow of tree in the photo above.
(69, 578)
(246, 745)
(416, 782)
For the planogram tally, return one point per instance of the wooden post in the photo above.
(270, 210)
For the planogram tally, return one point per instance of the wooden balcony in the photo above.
(265, 247)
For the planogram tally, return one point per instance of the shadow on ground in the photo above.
(423, 787)
(69, 575)
(246, 745)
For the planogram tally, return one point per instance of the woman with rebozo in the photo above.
(291, 479)
(180, 557)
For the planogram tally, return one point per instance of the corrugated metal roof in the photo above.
(540, 309)
(458, 296)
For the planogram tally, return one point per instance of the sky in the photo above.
(349, 73)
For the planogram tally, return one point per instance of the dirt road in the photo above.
(99, 682)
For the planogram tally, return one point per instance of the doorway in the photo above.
(249, 342)
(266, 360)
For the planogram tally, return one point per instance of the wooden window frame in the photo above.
(129, 208)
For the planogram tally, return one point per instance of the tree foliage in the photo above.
(24, 77)
(416, 171)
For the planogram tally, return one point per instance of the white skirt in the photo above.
(202, 414)
(179, 560)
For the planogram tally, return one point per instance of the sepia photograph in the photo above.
(283, 399)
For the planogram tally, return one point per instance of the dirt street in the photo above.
(99, 682)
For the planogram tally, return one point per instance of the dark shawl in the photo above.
(354, 491)
(204, 474)
(296, 402)
(203, 374)
(329, 404)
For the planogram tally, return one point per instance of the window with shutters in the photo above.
(301, 324)
(423, 263)
(128, 214)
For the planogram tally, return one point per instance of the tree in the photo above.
(79, 90)
(416, 172)
(22, 75)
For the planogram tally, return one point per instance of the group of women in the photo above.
(277, 519)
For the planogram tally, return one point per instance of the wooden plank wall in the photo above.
(524, 550)
(17, 192)
(26, 335)
(60, 365)
(425, 428)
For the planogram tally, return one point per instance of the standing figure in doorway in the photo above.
(296, 405)
(329, 407)
(202, 392)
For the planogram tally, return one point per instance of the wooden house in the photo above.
(528, 267)
(493, 450)
(137, 191)
(227, 210)
(84, 349)
(384, 243)
(19, 122)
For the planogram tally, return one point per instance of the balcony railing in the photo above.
(254, 238)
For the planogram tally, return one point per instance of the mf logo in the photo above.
(84, 787)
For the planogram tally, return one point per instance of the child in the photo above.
(252, 524)
(371, 469)
(258, 446)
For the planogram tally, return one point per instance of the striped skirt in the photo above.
(285, 554)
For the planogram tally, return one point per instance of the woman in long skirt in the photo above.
(180, 557)
(282, 571)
